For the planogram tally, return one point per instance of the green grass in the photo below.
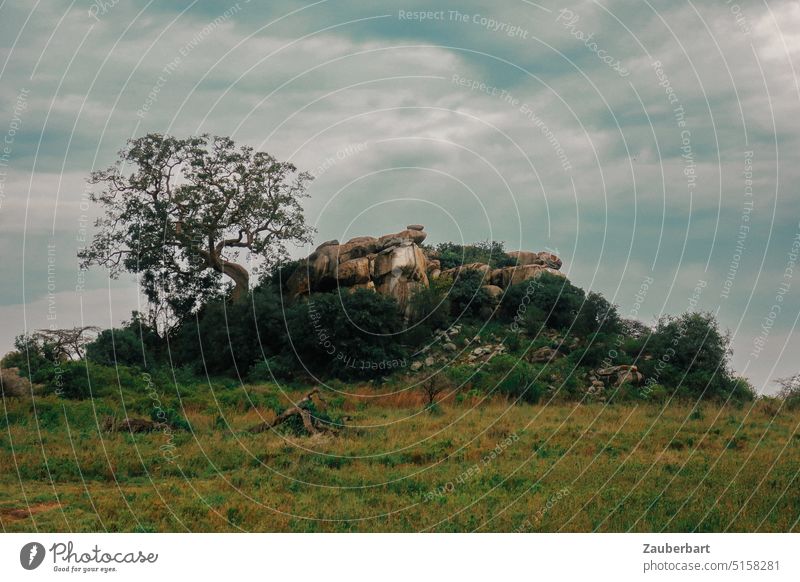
(558, 467)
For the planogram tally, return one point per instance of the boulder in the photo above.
(482, 268)
(493, 291)
(299, 283)
(357, 248)
(353, 272)
(619, 375)
(390, 240)
(415, 227)
(399, 272)
(508, 276)
(526, 258)
(12, 384)
(550, 260)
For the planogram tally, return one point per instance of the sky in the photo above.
(651, 145)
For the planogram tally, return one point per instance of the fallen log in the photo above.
(312, 424)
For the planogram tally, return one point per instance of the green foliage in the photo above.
(33, 356)
(352, 335)
(136, 343)
(467, 297)
(79, 380)
(170, 417)
(430, 308)
(492, 253)
(515, 378)
(179, 212)
(552, 297)
(230, 338)
(690, 352)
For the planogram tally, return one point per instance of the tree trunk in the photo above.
(241, 279)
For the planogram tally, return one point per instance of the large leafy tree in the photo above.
(183, 212)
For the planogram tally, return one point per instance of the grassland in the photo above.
(474, 465)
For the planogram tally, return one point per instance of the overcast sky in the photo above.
(652, 145)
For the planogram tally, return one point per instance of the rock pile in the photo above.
(396, 265)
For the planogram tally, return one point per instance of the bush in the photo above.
(79, 380)
(352, 335)
(514, 378)
(690, 353)
(171, 417)
(551, 296)
(492, 253)
(468, 298)
(430, 309)
(12, 384)
(229, 338)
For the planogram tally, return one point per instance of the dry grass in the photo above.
(562, 467)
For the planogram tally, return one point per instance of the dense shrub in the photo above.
(691, 353)
(553, 297)
(430, 308)
(32, 356)
(79, 380)
(349, 335)
(225, 337)
(467, 297)
(491, 253)
(136, 343)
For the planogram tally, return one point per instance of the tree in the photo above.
(432, 387)
(66, 344)
(187, 211)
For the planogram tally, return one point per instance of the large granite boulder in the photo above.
(395, 265)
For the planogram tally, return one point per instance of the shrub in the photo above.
(468, 298)
(690, 353)
(85, 379)
(492, 253)
(226, 337)
(171, 417)
(350, 335)
(430, 309)
(550, 296)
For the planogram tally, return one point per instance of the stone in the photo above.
(493, 291)
(356, 248)
(328, 243)
(415, 227)
(416, 366)
(526, 258)
(353, 272)
(12, 384)
(545, 354)
(450, 347)
(429, 361)
(482, 268)
(508, 276)
(415, 236)
(550, 260)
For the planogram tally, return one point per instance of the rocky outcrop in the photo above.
(12, 384)
(396, 265)
(619, 375)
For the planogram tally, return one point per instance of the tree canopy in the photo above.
(181, 212)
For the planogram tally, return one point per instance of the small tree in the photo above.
(188, 209)
(66, 344)
(432, 387)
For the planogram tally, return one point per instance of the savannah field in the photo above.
(471, 465)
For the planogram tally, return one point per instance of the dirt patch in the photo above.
(16, 514)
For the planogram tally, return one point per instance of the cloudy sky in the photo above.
(652, 145)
